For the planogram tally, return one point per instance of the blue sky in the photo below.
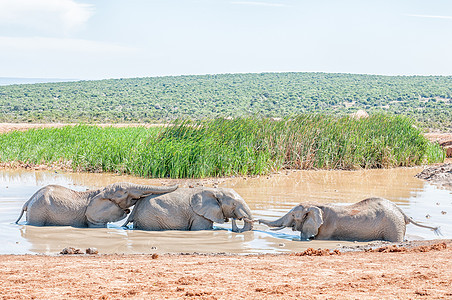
(137, 38)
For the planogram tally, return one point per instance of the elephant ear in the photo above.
(206, 204)
(314, 219)
(97, 210)
(101, 210)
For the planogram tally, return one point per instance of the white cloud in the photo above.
(255, 3)
(61, 45)
(54, 15)
(429, 16)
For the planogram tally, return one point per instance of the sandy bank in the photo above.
(6, 127)
(353, 275)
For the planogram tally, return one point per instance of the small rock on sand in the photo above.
(70, 250)
(91, 251)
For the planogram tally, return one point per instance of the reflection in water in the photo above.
(291, 188)
(268, 196)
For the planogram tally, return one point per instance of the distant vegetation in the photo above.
(18, 80)
(426, 99)
(220, 147)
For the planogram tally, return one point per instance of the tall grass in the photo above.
(222, 147)
(380, 141)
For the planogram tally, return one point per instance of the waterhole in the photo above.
(269, 197)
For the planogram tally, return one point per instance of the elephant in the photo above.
(61, 206)
(191, 209)
(370, 219)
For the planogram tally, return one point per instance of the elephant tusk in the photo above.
(278, 228)
(249, 220)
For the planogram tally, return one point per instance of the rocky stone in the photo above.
(359, 114)
(91, 251)
(447, 145)
(70, 250)
(440, 175)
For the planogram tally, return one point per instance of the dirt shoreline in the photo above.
(414, 273)
(6, 127)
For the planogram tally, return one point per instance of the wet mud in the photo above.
(440, 175)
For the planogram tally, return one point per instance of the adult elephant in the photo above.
(58, 205)
(191, 209)
(369, 219)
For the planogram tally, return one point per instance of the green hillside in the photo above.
(158, 99)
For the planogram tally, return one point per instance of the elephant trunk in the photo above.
(151, 189)
(246, 227)
(284, 221)
(247, 217)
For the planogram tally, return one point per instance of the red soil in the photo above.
(410, 273)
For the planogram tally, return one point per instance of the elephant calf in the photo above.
(191, 209)
(369, 219)
(58, 205)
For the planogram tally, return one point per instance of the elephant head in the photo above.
(111, 204)
(306, 219)
(218, 205)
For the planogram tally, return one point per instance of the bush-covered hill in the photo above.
(427, 99)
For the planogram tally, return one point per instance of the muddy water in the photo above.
(268, 197)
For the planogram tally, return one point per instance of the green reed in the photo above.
(220, 147)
